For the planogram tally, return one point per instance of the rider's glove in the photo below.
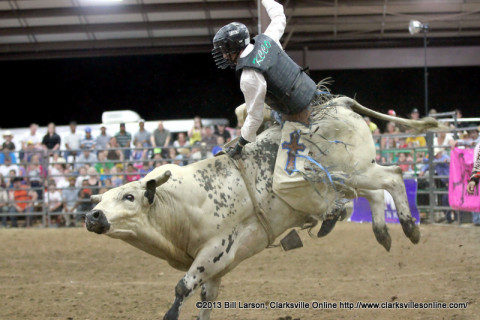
(236, 151)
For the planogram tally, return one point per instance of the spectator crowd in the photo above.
(42, 176)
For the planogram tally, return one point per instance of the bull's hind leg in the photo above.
(377, 203)
(390, 178)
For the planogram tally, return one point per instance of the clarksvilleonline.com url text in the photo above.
(329, 305)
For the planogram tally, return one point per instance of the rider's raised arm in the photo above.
(275, 12)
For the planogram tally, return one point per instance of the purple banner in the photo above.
(362, 212)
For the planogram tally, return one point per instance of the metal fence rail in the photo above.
(430, 196)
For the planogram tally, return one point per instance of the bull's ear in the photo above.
(152, 184)
(96, 198)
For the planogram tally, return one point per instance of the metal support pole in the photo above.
(425, 68)
(431, 174)
(259, 15)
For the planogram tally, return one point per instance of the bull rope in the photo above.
(261, 216)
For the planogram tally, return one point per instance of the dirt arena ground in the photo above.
(74, 274)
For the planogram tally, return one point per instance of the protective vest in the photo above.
(289, 88)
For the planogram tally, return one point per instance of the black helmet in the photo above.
(232, 38)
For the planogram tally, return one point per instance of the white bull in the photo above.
(200, 218)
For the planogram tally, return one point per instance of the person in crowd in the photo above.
(142, 136)
(86, 158)
(124, 139)
(93, 180)
(114, 153)
(219, 146)
(444, 141)
(24, 199)
(88, 142)
(145, 169)
(414, 141)
(132, 174)
(117, 177)
(196, 131)
(107, 182)
(51, 140)
(181, 141)
(403, 163)
(70, 201)
(459, 115)
(172, 154)
(209, 138)
(29, 151)
(200, 151)
(4, 202)
(72, 143)
(54, 202)
(103, 139)
(7, 166)
(158, 159)
(222, 131)
(82, 175)
(161, 137)
(103, 164)
(57, 171)
(470, 140)
(8, 148)
(31, 136)
(389, 142)
(8, 144)
(84, 203)
(35, 175)
(139, 154)
(415, 114)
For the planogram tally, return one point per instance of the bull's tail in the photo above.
(419, 126)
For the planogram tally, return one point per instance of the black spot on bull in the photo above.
(230, 243)
(217, 257)
(200, 269)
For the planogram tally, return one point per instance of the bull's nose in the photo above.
(96, 221)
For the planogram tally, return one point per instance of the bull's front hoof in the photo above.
(171, 315)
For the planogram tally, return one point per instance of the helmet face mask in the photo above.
(229, 41)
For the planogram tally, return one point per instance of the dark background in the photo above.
(182, 86)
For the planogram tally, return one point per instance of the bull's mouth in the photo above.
(121, 233)
(97, 227)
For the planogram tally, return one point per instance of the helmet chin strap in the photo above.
(233, 58)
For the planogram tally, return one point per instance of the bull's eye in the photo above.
(129, 197)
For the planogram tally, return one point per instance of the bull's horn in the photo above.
(163, 178)
(96, 198)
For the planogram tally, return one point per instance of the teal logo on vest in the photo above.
(262, 52)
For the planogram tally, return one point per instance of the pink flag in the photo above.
(461, 164)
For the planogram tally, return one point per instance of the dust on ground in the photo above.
(75, 274)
